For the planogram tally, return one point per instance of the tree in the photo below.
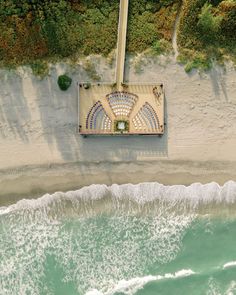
(207, 22)
(64, 82)
(228, 24)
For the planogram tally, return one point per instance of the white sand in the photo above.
(38, 126)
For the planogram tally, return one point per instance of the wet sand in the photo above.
(32, 181)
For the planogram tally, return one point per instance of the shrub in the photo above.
(40, 68)
(32, 30)
(207, 21)
(141, 32)
(161, 47)
(198, 64)
(148, 21)
(64, 82)
(91, 71)
(114, 86)
(194, 60)
(207, 28)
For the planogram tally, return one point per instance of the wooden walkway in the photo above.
(121, 43)
(98, 116)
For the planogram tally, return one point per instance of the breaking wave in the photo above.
(133, 285)
(229, 264)
(102, 239)
(142, 194)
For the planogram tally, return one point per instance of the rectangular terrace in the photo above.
(135, 109)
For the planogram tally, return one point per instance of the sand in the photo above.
(39, 124)
(34, 181)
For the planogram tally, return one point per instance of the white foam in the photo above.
(94, 292)
(105, 259)
(131, 286)
(231, 289)
(142, 193)
(184, 273)
(229, 264)
(162, 235)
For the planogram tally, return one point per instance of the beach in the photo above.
(42, 150)
(117, 170)
(35, 181)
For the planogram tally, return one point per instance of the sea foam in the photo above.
(131, 286)
(141, 194)
(94, 253)
(229, 264)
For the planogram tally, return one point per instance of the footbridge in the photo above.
(130, 109)
(121, 43)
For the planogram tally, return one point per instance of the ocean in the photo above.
(122, 239)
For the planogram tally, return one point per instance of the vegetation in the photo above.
(207, 22)
(195, 60)
(91, 71)
(150, 22)
(162, 46)
(207, 33)
(64, 82)
(40, 68)
(53, 29)
(36, 32)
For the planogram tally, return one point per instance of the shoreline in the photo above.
(35, 181)
(42, 152)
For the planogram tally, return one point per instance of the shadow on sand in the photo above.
(127, 148)
(14, 112)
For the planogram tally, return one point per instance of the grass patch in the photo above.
(195, 60)
(40, 68)
(91, 71)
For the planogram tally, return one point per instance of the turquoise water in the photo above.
(129, 239)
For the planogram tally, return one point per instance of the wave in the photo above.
(142, 194)
(96, 254)
(130, 287)
(229, 264)
(133, 285)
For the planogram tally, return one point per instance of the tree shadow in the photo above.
(125, 148)
(58, 115)
(15, 116)
(218, 82)
(57, 122)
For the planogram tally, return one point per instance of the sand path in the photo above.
(175, 32)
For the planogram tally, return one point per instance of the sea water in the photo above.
(128, 239)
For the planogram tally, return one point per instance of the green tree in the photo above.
(64, 82)
(207, 22)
